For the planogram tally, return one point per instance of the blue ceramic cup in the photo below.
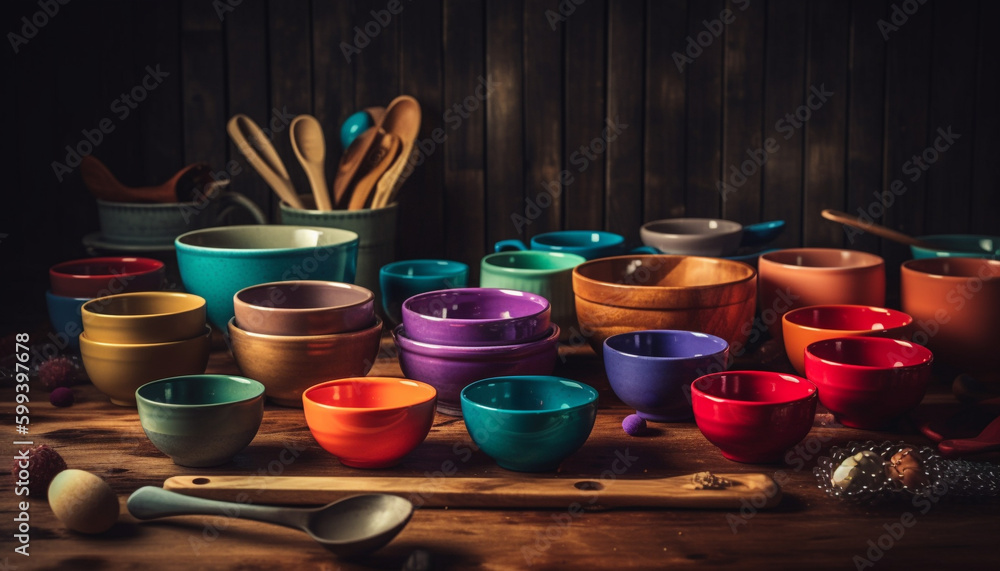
(402, 280)
(590, 244)
(64, 315)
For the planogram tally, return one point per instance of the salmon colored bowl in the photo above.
(807, 325)
(369, 422)
(753, 416)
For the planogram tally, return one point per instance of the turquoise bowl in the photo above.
(529, 423)
(64, 315)
(402, 280)
(958, 245)
(215, 263)
(201, 420)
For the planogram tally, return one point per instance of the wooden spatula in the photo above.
(677, 492)
(380, 157)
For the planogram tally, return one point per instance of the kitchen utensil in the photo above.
(310, 148)
(380, 157)
(348, 527)
(987, 441)
(188, 184)
(941, 245)
(261, 154)
(402, 118)
(349, 164)
(689, 491)
(876, 229)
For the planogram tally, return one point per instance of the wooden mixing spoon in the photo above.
(310, 149)
(187, 185)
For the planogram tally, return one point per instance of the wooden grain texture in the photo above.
(704, 110)
(626, 88)
(377, 66)
(805, 530)
(585, 114)
(666, 96)
(203, 91)
(984, 204)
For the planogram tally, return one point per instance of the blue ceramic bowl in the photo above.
(958, 245)
(652, 370)
(402, 280)
(529, 423)
(64, 315)
(201, 420)
(215, 263)
(590, 244)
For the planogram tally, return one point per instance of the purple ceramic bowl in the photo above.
(652, 370)
(468, 317)
(449, 368)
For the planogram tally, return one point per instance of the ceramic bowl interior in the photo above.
(305, 307)
(268, 238)
(529, 423)
(823, 258)
(693, 236)
(476, 316)
(144, 317)
(97, 277)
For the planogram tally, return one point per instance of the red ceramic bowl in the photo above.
(806, 325)
(868, 381)
(369, 422)
(753, 416)
(99, 277)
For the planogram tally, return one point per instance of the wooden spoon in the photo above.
(876, 229)
(310, 149)
(261, 154)
(987, 441)
(676, 492)
(187, 185)
(379, 158)
(402, 118)
(350, 162)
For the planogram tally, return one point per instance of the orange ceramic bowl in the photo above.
(799, 277)
(955, 304)
(807, 325)
(369, 422)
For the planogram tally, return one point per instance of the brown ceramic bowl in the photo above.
(306, 307)
(118, 369)
(144, 317)
(955, 304)
(631, 293)
(287, 365)
(799, 277)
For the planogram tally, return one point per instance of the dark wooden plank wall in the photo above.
(561, 71)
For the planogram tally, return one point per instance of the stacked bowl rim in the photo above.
(531, 322)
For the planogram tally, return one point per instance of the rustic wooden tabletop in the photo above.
(807, 530)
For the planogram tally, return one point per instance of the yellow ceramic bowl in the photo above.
(287, 365)
(118, 369)
(145, 317)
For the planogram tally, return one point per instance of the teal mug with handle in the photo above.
(549, 274)
(590, 244)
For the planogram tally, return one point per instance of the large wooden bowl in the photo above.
(632, 293)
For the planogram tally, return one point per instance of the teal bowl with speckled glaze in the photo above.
(215, 263)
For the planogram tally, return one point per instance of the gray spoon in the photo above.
(348, 527)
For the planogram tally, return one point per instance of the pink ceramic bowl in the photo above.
(806, 325)
(753, 416)
(868, 381)
(99, 277)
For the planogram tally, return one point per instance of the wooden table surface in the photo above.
(807, 530)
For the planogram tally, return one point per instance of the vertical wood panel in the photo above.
(464, 124)
(626, 87)
(203, 73)
(985, 202)
(160, 133)
(421, 200)
(332, 73)
(826, 129)
(543, 93)
(123, 80)
(743, 144)
(664, 164)
(504, 112)
(291, 80)
(866, 118)
(952, 104)
(584, 114)
(784, 82)
(704, 109)
(378, 62)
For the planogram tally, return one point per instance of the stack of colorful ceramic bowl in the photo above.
(292, 335)
(131, 339)
(450, 338)
(76, 282)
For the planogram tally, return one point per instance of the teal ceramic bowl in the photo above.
(201, 420)
(64, 315)
(529, 423)
(215, 263)
(958, 245)
(402, 280)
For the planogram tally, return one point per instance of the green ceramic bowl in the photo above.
(201, 420)
(529, 423)
(215, 263)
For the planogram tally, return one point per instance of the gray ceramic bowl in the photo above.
(693, 236)
(304, 307)
(201, 420)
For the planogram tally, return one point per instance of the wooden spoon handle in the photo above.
(381, 156)
(876, 229)
(676, 492)
(261, 154)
